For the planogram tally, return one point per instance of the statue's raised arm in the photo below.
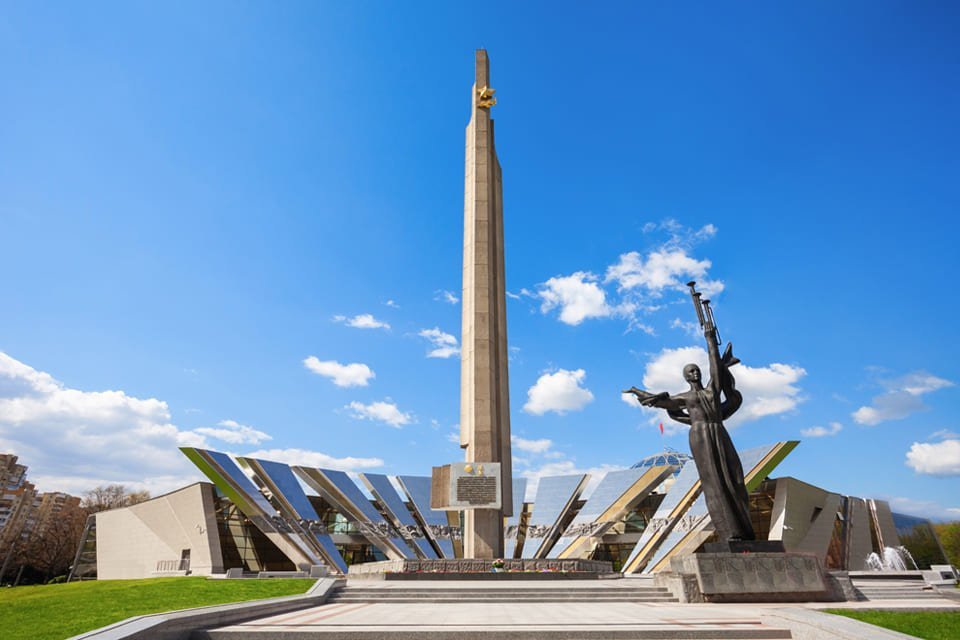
(660, 400)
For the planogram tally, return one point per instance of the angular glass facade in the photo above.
(623, 520)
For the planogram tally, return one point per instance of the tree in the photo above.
(112, 496)
(51, 550)
(949, 534)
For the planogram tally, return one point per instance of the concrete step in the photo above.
(901, 595)
(893, 589)
(449, 600)
(502, 595)
(760, 633)
(895, 592)
(588, 593)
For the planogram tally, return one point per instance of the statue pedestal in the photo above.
(748, 577)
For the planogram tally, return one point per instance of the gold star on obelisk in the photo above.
(485, 97)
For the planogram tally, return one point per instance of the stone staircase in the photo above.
(508, 594)
(893, 589)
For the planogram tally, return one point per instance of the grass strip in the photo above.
(930, 625)
(58, 611)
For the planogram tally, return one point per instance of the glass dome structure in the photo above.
(667, 456)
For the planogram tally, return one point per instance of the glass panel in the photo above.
(383, 491)
(555, 494)
(610, 489)
(513, 522)
(245, 484)
(279, 477)
(417, 489)
(348, 488)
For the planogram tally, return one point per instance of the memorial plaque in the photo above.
(466, 485)
(477, 490)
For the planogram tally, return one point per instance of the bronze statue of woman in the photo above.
(705, 409)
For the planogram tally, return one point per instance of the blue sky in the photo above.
(199, 204)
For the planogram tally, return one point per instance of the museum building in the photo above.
(259, 515)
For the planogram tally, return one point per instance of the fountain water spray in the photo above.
(893, 559)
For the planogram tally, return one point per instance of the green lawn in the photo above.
(58, 611)
(931, 625)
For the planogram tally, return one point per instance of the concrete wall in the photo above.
(859, 542)
(131, 541)
(886, 529)
(803, 516)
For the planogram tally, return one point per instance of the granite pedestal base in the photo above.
(748, 577)
(467, 569)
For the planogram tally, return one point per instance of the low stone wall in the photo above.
(750, 577)
(188, 623)
(463, 566)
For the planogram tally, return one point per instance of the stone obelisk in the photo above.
(484, 392)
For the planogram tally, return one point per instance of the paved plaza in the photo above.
(573, 609)
(465, 620)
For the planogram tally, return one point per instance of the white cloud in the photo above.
(446, 296)
(558, 392)
(343, 375)
(307, 458)
(820, 432)
(392, 304)
(444, 344)
(579, 298)
(920, 382)
(362, 321)
(935, 459)
(768, 390)
(73, 440)
(662, 269)
(541, 445)
(631, 400)
(889, 406)
(233, 432)
(943, 434)
(386, 412)
(641, 281)
(901, 399)
(692, 329)
(923, 508)
(681, 235)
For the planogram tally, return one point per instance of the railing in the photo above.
(165, 566)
